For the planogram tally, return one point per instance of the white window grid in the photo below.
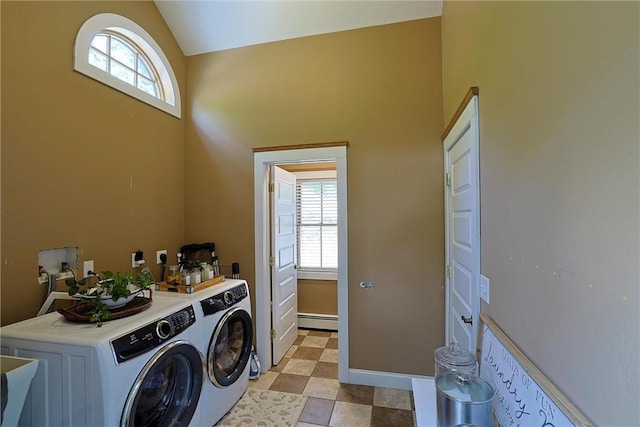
(140, 61)
(164, 96)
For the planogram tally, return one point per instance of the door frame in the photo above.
(262, 159)
(467, 113)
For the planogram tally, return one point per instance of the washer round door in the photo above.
(167, 391)
(230, 347)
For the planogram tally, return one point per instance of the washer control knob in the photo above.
(228, 298)
(164, 329)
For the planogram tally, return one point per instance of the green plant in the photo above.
(111, 286)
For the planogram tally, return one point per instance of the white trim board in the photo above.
(318, 321)
(383, 379)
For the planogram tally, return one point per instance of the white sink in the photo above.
(19, 372)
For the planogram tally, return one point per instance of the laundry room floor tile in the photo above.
(265, 380)
(354, 393)
(300, 367)
(392, 398)
(317, 411)
(385, 417)
(291, 350)
(318, 342)
(310, 368)
(329, 355)
(280, 366)
(309, 353)
(326, 370)
(324, 388)
(350, 414)
(290, 383)
(332, 343)
(319, 334)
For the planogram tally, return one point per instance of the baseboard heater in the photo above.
(318, 321)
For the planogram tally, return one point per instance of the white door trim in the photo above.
(261, 162)
(468, 119)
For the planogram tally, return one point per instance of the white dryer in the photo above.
(142, 370)
(224, 319)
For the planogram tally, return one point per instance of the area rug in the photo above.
(265, 408)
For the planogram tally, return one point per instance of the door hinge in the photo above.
(447, 179)
(449, 270)
(273, 334)
(272, 261)
(272, 187)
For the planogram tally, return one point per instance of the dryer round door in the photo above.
(230, 347)
(167, 390)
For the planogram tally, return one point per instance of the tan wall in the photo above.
(317, 296)
(559, 87)
(71, 147)
(377, 88)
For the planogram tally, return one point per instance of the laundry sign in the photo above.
(524, 397)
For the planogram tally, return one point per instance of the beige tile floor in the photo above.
(310, 368)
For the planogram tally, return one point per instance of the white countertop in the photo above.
(424, 398)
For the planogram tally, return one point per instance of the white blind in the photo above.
(317, 216)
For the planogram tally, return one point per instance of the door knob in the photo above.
(468, 320)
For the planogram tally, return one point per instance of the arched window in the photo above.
(119, 53)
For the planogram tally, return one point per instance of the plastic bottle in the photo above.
(207, 271)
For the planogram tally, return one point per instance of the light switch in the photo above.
(484, 288)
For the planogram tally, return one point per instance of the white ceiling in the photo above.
(208, 26)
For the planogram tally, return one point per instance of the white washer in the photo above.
(224, 319)
(146, 369)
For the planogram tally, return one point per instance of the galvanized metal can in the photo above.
(463, 399)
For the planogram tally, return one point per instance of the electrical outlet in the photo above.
(484, 288)
(87, 266)
(137, 259)
(158, 253)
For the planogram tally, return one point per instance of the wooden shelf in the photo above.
(184, 289)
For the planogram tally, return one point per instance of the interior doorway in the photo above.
(263, 160)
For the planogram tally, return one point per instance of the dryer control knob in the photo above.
(164, 329)
(229, 298)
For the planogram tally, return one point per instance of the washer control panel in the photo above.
(152, 335)
(224, 300)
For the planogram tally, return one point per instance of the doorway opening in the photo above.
(316, 244)
(264, 159)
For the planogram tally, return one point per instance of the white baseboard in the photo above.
(382, 379)
(318, 321)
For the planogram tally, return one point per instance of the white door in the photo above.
(462, 222)
(284, 280)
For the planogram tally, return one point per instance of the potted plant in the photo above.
(112, 290)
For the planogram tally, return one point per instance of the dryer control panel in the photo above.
(224, 300)
(152, 335)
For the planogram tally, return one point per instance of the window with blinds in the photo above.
(317, 221)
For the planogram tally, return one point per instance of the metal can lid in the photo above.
(462, 387)
(454, 355)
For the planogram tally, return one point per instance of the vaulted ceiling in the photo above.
(208, 26)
